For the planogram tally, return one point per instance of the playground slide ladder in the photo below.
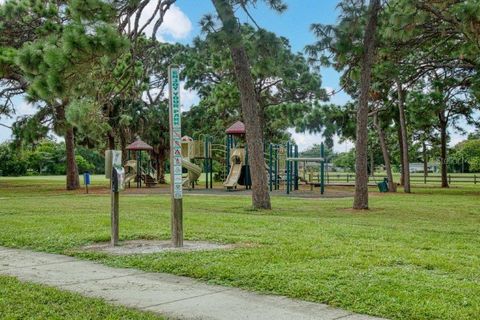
(148, 176)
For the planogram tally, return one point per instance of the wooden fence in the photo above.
(349, 178)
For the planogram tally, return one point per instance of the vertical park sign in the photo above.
(175, 156)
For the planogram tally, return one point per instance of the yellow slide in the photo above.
(132, 173)
(236, 164)
(194, 172)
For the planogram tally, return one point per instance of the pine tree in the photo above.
(55, 57)
(250, 109)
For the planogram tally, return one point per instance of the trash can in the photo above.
(86, 178)
(383, 186)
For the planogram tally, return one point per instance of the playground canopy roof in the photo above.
(139, 145)
(236, 128)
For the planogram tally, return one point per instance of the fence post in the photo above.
(322, 168)
(287, 164)
(474, 179)
(449, 179)
(347, 177)
(270, 167)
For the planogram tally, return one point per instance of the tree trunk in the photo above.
(402, 165)
(361, 162)
(111, 141)
(372, 162)
(404, 145)
(425, 159)
(161, 156)
(385, 153)
(73, 181)
(123, 145)
(250, 108)
(443, 151)
(111, 132)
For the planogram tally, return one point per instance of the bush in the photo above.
(11, 162)
(47, 158)
(466, 155)
(474, 163)
(94, 158)
(83, 165)
(345, 160)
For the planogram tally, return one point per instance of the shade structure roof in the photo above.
(236, 128)
(139, 145)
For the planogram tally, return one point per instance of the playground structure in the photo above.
(192, 150)
(285, 168)
(237, 158)
(283, 164)
(139, 168)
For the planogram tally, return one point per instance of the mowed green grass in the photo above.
(19, 300)
(412, 256)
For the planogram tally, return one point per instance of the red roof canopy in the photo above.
(139, 145)
(236, 128)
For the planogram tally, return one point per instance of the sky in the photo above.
(181, 24)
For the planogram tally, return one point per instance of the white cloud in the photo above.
(25, 108)
(5, 133)
(330, 90)
(153, 93)
(22, 108)
(456, 137)
(188, 98)
(175, 25)
(307, 140)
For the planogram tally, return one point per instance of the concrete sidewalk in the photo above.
(172, 296)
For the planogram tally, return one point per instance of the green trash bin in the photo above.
(383, 186)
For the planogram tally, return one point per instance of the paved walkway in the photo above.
(172, 296)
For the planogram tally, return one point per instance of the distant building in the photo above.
(417, 167)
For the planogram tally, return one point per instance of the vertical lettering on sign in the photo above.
(175, 134)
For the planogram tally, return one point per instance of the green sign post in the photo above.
(175, 156)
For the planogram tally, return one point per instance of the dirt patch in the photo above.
(219, 190)
(153, 246)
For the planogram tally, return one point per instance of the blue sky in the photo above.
(182, 24)
(294, 24)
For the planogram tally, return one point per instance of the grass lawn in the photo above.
(411, 257)
(19, 300)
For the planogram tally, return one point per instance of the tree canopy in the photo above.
(95, 72)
